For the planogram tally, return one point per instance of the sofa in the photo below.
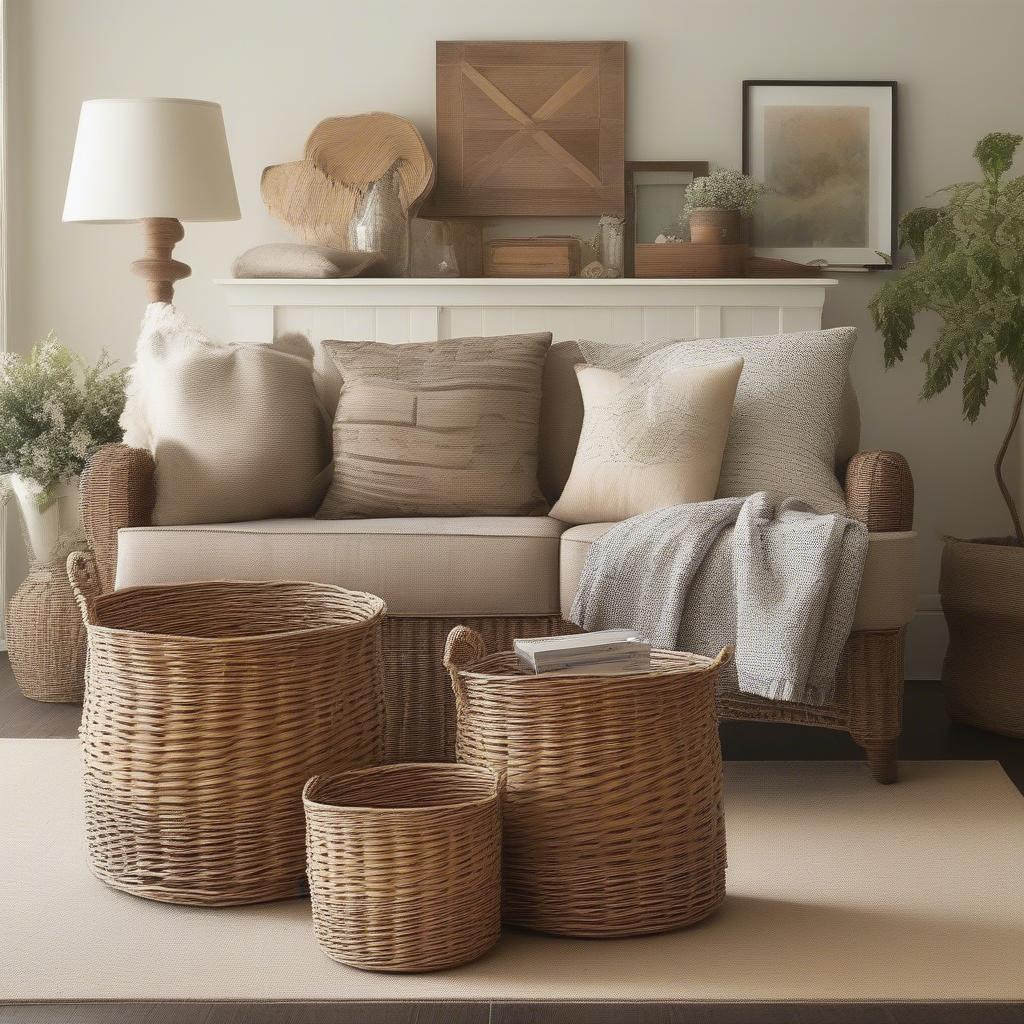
(506, 576)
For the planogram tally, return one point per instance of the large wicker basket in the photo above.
(207, 707)
(405, 865)
(613, 809)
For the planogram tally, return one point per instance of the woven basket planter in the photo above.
(207, 707)
(613, 808)
(404, 865)
(982, 588)
(45, 636)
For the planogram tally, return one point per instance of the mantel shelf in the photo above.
(531, 282)
(405, 309)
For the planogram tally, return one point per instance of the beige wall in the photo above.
(278, 68)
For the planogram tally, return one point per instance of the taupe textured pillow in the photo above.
(788, 416)
(642, 451)
(237, 431)
(295, 260)
(444, 428)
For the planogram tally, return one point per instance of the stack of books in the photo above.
(607, 652)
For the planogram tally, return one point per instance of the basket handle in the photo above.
(85, 583)
(464, 647)
(725, 655)
(500, 784)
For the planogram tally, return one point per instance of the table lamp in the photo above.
(158, 161)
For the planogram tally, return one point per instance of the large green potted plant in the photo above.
(968, 267)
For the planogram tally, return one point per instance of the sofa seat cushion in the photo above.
(473, 566)
(888, 593)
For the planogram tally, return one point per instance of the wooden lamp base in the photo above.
(157, 268)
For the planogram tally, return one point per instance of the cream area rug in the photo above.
(838, 889)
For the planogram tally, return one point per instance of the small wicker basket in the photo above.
(613, 811)
(207, 707)
(404, 865)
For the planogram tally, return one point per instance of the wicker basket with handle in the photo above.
(404, 864)
(207, 707)
(613, 809)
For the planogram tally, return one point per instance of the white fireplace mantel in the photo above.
(415, 309)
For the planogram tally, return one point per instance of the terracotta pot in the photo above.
(982, 590)
(709, 226)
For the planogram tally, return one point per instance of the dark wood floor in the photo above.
(927, 735)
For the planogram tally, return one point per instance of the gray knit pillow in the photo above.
(788, 415)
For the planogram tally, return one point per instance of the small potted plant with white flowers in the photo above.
(55, 411)
(717, 203)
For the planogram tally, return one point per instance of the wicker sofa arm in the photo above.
(880, 491)
(117, 490)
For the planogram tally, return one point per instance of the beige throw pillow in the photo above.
(444, 428)
(236, 431)
(666, 449)
(292, 259)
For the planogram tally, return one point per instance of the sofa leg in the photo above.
(882, 761)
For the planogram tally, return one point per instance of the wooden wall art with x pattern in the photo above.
(530, 129)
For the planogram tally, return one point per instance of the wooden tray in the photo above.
(686, 259)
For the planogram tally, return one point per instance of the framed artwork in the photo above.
(654, 200)
(530, 129)
(827, 150)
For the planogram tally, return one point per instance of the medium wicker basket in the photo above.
(207, 707)
(613, 810)
(404, 865)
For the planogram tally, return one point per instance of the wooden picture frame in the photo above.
(634, 169)
(529, 129)
(833, 199)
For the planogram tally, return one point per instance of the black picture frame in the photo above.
(891, 86)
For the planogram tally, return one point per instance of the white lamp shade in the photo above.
(151, 158)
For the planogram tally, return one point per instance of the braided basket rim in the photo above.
(480, 773)
(677, 662)
(377, 604)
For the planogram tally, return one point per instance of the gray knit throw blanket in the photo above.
(781, 584)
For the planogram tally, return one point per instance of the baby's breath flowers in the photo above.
(55, 411)
(723, 189)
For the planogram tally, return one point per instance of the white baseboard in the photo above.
(926, 639)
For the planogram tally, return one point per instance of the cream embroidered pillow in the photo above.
(645, 449)
(236, 431)
(444, 428)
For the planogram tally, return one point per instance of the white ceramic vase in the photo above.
(56, 530)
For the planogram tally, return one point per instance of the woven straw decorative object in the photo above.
(207, 707)
(45, 636)
(344, 158)
(405, 865)
(613, 809)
